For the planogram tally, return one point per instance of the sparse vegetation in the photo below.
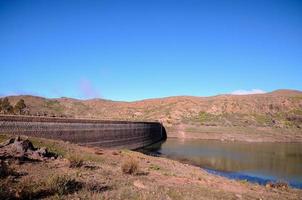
(29, 189)
(296, 98)
(3, 137)
(20, 107)
(56, 108)
(5, 169)
(26, 190)
(6, 107)
(278, 185)
(63, 184)
(154, 167)
(280, 109)
(130, 166)
(263, 120)
(297, 111)
(52, 146)
(75, 161)
(203, 117)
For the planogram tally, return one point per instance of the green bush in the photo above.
(19, 107)
(6, 108)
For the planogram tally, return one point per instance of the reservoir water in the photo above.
(254, 162)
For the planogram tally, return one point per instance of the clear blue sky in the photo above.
(130, 50)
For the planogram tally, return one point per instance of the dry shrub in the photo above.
(28, 189)
(63, 184)
(278, 185)
(86, 194)
(25, 189)
(5, 170)
(154, 167)
(96, 187)
(75, 161)
(130, 166)
(6, 191)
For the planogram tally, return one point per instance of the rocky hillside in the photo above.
(278, 109)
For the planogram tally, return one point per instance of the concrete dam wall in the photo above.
(119, 134)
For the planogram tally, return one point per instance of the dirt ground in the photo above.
(100, 174)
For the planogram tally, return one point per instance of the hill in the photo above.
(274, 112)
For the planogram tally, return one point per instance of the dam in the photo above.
(89, 132)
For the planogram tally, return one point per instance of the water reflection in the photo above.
(262, 161)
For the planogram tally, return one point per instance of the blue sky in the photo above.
(131, 50)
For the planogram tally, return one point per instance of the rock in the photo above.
(23, 146)
(18, 138)
(139, 184)
(26, 144)
(23, 150)
(277, 185)
(34, 155)
(42, 151)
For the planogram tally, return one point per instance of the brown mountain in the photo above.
(281, 109)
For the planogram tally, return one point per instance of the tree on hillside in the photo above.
(0, 105)
(20, 107)
(6, 107)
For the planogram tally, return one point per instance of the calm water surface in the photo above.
(255, 162)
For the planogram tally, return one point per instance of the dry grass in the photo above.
(154, 167)
(29, 189)
(130, 166)
(75, 161)
(5, 190)
(25, 189)
(5, 170)
(63, 184)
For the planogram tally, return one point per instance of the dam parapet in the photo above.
(90, 132)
